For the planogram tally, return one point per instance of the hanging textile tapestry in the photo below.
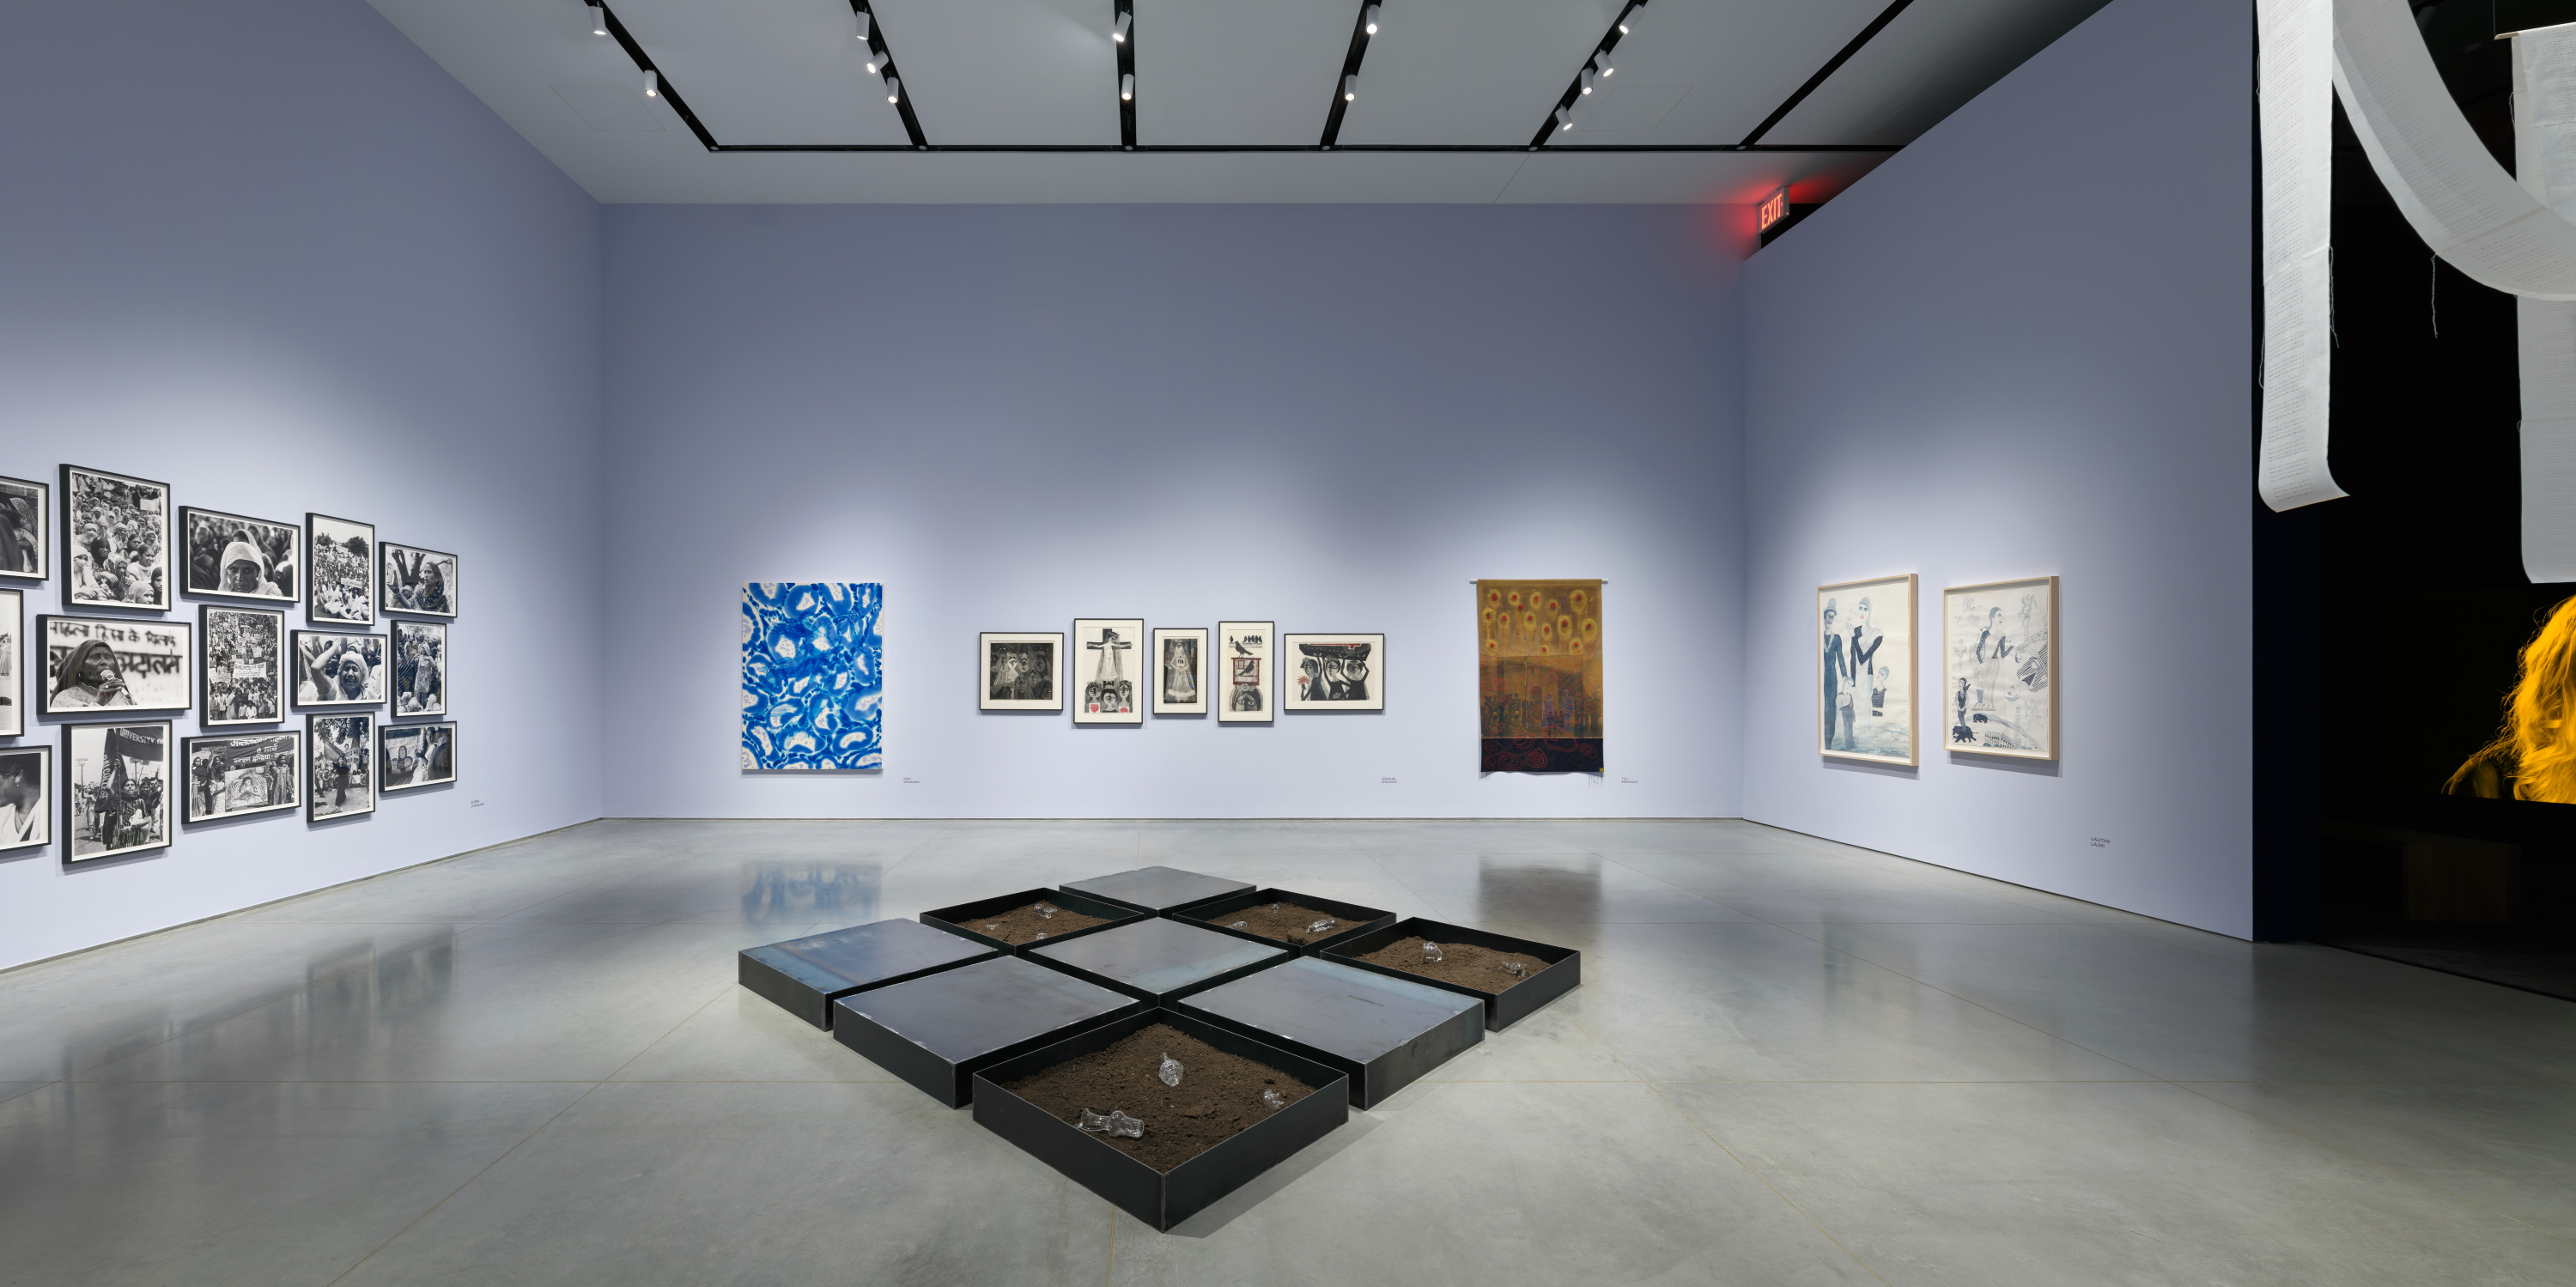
(1539, 675)
(812, 678)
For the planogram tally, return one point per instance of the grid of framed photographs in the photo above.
(112, 785)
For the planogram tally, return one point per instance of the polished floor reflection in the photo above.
(1790, 1062)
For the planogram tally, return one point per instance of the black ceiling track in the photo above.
(903, 97)
(1876, 26)
(1350, 67)
(1574, 88)
(1127, 109)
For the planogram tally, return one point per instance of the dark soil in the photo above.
(1465, 964)
(1219, 1095)
(1023, 924)
(1288, 924)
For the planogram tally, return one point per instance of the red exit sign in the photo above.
(1774, 208)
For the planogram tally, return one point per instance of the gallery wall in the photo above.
(2022, 347)
(1330, 417)
(268, 252)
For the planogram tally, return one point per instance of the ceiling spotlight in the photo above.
(1587, 79)
(1350, 88)
(1119, 32)
(1127, 88)
(1565, 118)
(1368, 19)
(652, 84)
(863, 24)
(594, 18)
(877, 62)
(1602, 61)
(894, 90)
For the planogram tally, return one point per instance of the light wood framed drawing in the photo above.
(1019, 670)
(1999, 667)
(1180, 672)
(1244, 650)
(1865, 670)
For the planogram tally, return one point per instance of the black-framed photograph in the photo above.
(417, 581)
(1334, 672)
(337, 668)
(26, 515)
(1108, 656)
(339, 571)
(341, 764)
(241, 665)
(26, 797)
(116, 539)
(1180, 671)
(236, 775)
(13, 686)
(1019, 670)
(228, 556)
(411, 756)
(420, 668)
(1244, 650)
(94, 664)
(116, 789)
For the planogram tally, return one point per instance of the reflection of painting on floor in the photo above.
(812, 676)
(1539, 675)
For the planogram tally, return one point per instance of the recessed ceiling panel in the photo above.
(1735, 60)
(1937, 55)
(1031, 72)
(767, 71)
(1254, 72)
(1471, 71)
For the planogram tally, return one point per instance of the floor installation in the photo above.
(1789, 1061)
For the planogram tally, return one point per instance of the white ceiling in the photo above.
(1462, 74)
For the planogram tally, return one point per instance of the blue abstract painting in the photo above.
(812, 677)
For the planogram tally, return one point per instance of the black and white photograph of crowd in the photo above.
(421, 582)
(118, 531)
(420, 668)
(342, 571)
(335, 669)
(245, 652)
(239, 558)
(343, 784)
(416, 755)
(236, 776)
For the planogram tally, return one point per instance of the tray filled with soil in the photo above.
(1471, 961)
(1288, 918)
(1382, 1032)
(804, 976)
(1159, 959)
(1163, 1143)
(1013, 922)
(1155, 889)
(937, 1030)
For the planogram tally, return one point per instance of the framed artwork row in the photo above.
(1113, 667)
(1997, 686)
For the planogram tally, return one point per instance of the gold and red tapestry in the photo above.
(1539, 675)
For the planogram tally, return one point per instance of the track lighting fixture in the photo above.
(1350, 89)
(1587, 80)
(1564, 118)
(1369, 20)
(877, 62)
(594, 19)
(652, 84)
(1119, 33)
(894, 90)
(1127, 88)
(863, 24)
(1636, 11)
(1602, 61)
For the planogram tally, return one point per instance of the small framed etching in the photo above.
(1180, 672)
(1335, 672)
(1107, 665)
(1244, 652)
(1019, 671)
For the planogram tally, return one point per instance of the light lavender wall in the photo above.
(2021, 347)
(270, 253)
(1333, 417)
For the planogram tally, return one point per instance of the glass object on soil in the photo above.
(1121, 1124)
(1169, 1070)
(1514, 969)
(1240, 925)
(993, 929)
(1273, 1099)
(1041, 934)
(1092, 1121)
(1046, 911)
(1430, 950)
(1322, 925)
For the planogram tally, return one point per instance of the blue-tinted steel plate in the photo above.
(975, 1010)
(1338, 1010)
(1158, 889)
(1159, 958)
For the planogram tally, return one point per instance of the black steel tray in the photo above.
(1502, 1009)
(1157, 959)
(1355, 919)
(957, 919)
(1160, 1198)
(1156, 889)
(936, 1031)
(804, 976)
(1383, 1033)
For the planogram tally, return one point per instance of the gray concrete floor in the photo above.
(1790, 1062)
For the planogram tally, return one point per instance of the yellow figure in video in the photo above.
(2533, 758)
